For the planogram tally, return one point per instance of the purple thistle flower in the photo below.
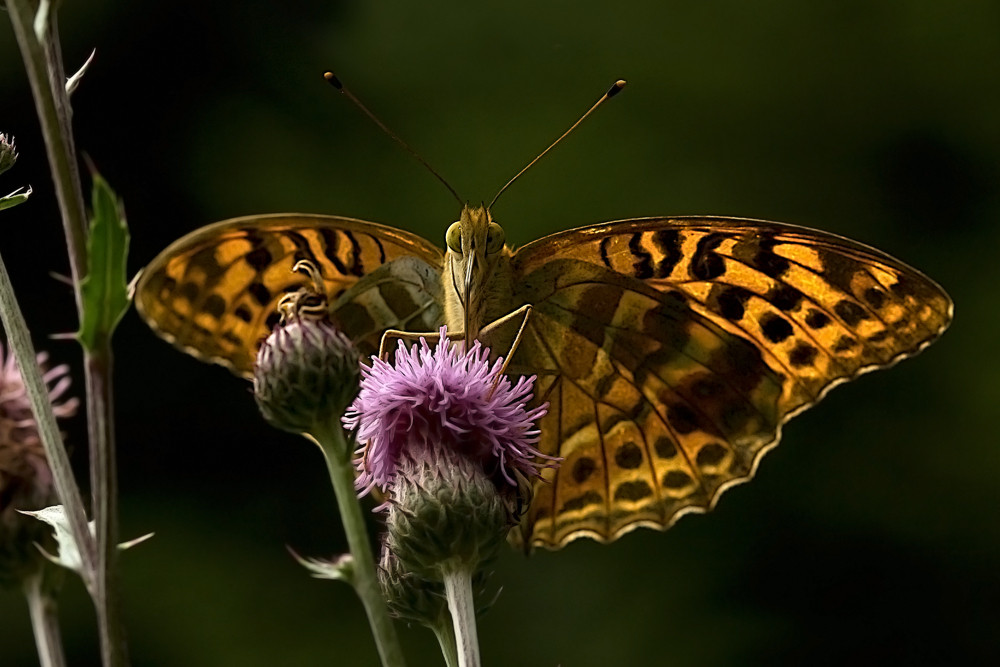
(444, 397)
(22, 458)
(25, 478)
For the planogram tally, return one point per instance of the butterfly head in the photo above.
(476, 247)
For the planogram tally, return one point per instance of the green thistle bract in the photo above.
(306, 374)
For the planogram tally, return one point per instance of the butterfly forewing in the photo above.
(214, 293)
(672, 350)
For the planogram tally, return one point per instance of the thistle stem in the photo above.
(43, 64)
(48, 430)
(40, 51)
(44, 621)
(104, 483)
(338, 453)
(458, 589)
(445, 633)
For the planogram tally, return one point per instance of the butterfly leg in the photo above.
(391, 335)
(491, 331)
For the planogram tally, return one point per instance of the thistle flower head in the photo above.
(306, 374)
(448, 398)
(25, 478)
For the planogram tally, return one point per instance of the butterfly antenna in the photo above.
(614, 90)
(336, 83)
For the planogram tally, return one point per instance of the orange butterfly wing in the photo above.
(672, 350)
(214, 293)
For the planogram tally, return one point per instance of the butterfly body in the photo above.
(476, 278)
(670, 350)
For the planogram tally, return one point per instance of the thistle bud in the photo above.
(8, 154)
(306, 375)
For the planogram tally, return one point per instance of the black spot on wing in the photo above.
(261, 294)
(839, 270)
(629, 456)
(677, 479)
(581, 501)
(729, 301)
(784, 297)
(850, 312)
(214, 305)
(642, 260)
(758, 252)
(665, 447)
(667, 241)
(633, 490)
(875, 297)
(583, 468)
(357, 263)
(331, 243)
(706, 264)
(817, 319)
(711, 455)
(243, 313)
(802, 354)
(775, 328)
(259, 258)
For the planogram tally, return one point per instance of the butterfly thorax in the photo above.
(477, 278)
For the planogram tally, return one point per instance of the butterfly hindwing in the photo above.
(672, 350)
(647, 406)
(404, 294)
(214, 293)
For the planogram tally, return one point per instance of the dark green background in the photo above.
(874, 531)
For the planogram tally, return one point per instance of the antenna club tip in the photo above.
(616, 88)
(333, 80)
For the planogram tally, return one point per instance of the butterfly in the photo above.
(671, 350)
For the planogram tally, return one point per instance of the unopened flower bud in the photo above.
(8, 154)
(306, 375)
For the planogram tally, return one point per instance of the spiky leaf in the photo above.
(105, 290)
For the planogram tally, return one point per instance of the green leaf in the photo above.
(68, 553)
(14, 198)
(339, 568)
(104, 289)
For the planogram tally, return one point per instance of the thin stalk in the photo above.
(458, 589)
(104, 483)
(44, 621)
(335, 449)
(47, 82)
(43, 64)
(48, 430)
(445, 633)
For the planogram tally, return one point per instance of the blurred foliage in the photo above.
(870, 533)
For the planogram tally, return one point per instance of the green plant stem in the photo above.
(338, 454)
(44, 621)
(445, 633)
(48, 430)
(104, 483)
(43, 64)
(458, 589)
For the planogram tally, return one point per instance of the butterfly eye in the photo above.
(494, 238)
(453, 237)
